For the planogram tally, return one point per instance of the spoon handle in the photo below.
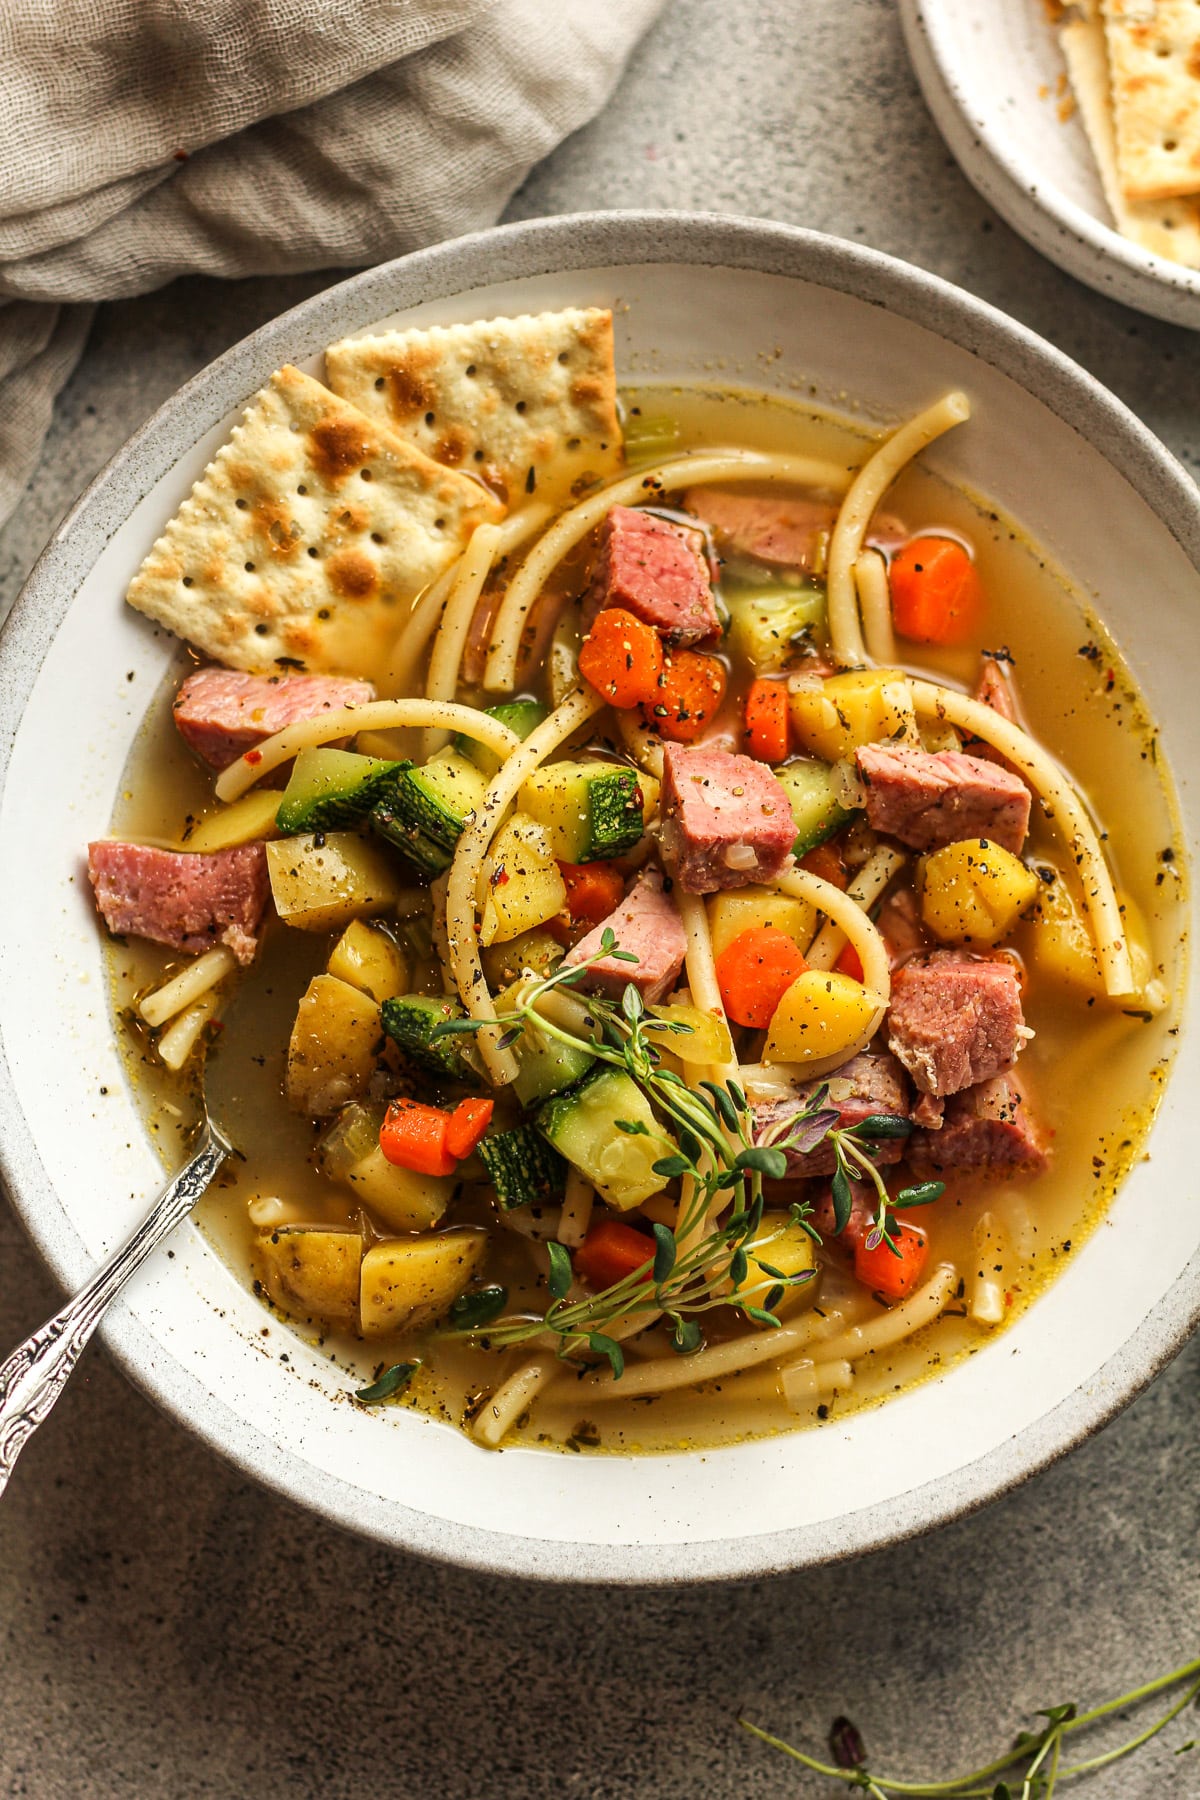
(34, 1376)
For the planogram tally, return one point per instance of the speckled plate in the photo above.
(694, 296)
(993, 76)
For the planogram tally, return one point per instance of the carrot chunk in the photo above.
(689, 691)
(594, 890)
(937, 596)
(610, 1252)
(825, 861)
(466, 1125)
(892, 1276)
(413, 1136)
(622, 658)
(767, 721)
(850, 963)
(755, 971)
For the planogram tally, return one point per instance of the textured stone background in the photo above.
(167, 1629)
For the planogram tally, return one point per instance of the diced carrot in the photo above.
(767, 721)
(892, 1276)
(413, 1136)
(850, 963)
(467, 1124)
(937, 596)
(755, 971)
(689, 691)
(622, 658)
(594, 890)
(825, 860)
(610, 1252)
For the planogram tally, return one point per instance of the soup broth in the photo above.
(1092, 1071)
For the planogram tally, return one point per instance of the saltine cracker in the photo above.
(528, 404)
(1169, 228)
(306, 536)
(1154, 65)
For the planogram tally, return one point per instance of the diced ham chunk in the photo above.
(180, 898)
(646, 924)
(987, 1130)
(955, 1020)
(783, 532)
(995, 690)
(929, 798)
(865, 1085)
(222, 713)
(657, 571)
(726, 821)
(899, 925)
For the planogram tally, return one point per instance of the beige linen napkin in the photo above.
(146, 139)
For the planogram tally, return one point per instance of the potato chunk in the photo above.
(788, 1248)
(369, 960)
(520, 886)
(972, 891)
(311, 1271)
(349, 1152)
(740, 909)
(822, 1014)
(321, 882)
(332, 1052)
(407, 1282)
(833, 718)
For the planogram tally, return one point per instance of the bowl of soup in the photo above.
(642, 765)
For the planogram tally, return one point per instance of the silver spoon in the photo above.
(34, 1376)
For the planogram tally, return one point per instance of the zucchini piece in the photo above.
(409, 1020)
(425, 810)
(582, 1127)
(332, 789)
(768, 627)
(349, 1152)
(589, 810)
(524, 1169)
(519, 715)
(547, 1066)
(815, 808)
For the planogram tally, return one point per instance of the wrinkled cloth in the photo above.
(147, 139)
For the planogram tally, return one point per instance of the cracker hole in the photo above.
(562, 355)
(188, 582)
(377, 537)
(573, 443)
(429, 418)
(470, 368)
(262, 630)
(313, 551)
(479, 453)
(1170, 143)
(521, 406)
(249, 568)
(1163, 50)
(379, 383)
(302, 489)
(439, 524)
(241, 505)
(365, 475)
(323, 612)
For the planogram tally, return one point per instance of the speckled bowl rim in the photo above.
(522, 251)
(1059, 229)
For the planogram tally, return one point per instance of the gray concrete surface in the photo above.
(166, 1629)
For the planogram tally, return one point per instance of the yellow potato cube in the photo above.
(972, 891)
(349, 1152)
(408, 1282)
(520, 886)
(1060, 944)
(787, 1247)
(832, 718)
(333, 1047)
(251, 817)
(822, 1014)
(706, 1039)
(370, 960)
(741, 909)
(311, 1271)
(321, 882)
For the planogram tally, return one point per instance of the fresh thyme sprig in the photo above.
(1032, 1768)
(700, 1264)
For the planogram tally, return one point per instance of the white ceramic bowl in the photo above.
(991, 72)
(697, 296)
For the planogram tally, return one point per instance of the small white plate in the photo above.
(993, 76)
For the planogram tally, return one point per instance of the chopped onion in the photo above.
(741, 857)
(847, 785)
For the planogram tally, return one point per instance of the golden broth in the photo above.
(1093, 1072)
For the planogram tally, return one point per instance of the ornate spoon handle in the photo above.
(34, 1376)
